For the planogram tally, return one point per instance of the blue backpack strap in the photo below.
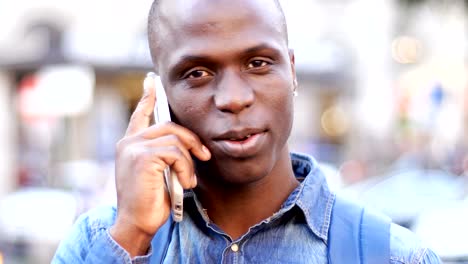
(160, 242)
(375, 237)
(343, 236)
(358, 235)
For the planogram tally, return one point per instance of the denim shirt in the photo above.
(297, 233)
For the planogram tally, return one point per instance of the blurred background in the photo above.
(383, 106)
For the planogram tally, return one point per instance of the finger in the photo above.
(173, 157)
(189, 139)
(169, 140)
(142, 115)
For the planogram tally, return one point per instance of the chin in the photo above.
(246, 172)
(234, 171)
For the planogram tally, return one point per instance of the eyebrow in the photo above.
(261, 47)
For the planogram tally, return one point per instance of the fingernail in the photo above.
(205, 149)
(147, 83)
(194, 180)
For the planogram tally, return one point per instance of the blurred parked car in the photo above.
(404, 195)
(446, 232)
(32, 223)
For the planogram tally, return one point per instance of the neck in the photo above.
(237, 207)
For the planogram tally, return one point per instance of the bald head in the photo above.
(163, 13)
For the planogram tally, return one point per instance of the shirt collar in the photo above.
(312, 196)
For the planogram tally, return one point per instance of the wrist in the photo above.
(131, 239)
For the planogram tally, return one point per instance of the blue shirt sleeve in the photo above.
(89, 242)
(406, 248)
(431, 258)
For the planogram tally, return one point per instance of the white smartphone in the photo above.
(162, 114)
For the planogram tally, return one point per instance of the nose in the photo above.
(233, 94)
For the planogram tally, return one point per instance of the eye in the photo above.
(257, 64)
(196, 74)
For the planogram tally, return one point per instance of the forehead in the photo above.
(201, 26)
(190, 13)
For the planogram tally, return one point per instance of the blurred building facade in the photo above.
(389, 73)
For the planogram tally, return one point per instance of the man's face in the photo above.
(229, 77)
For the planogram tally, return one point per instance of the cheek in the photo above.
(284, 109)
(281, 106)
(279, 96)
(188, 111)
(281, 92)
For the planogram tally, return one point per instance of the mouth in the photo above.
(241, 143)
(239, 135)
(242, 140)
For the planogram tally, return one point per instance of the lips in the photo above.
(241, 143)
(239, 135)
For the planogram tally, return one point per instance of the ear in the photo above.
(292, 61)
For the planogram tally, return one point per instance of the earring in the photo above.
(295, 93)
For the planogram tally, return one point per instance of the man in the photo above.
(230, 80)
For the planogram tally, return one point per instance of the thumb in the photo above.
(141, 117)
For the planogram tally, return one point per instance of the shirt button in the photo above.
(235, 247)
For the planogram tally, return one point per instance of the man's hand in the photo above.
(143, 203)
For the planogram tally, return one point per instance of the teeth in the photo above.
(236, 139)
